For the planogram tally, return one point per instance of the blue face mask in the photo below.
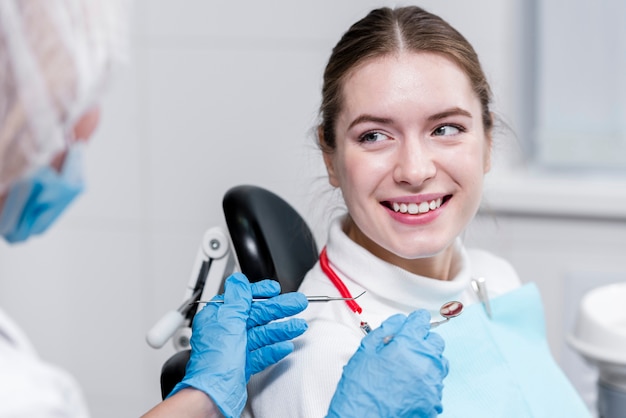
(32, 204)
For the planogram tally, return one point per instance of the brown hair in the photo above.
(385, 31)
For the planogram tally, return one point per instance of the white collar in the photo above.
(389, 283)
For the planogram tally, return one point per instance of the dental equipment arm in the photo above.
(214, 262)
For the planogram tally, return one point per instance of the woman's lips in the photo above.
(416, 212)
(415, 208)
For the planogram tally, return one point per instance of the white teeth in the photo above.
(415, 208)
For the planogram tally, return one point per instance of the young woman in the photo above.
(406, 135)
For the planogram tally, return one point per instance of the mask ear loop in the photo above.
(70, 156)
(70, 138)
(59, 161)
(84, 125)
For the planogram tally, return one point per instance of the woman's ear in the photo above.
(328, 155)
(488, 146)
(330, 169)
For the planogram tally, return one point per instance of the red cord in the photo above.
(343, 290)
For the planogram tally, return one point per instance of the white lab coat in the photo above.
(30, 387)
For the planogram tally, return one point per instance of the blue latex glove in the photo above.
(397, 371)
(233, 340)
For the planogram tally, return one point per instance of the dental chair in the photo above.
(269, 240)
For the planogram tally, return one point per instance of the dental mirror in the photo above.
(448, 310)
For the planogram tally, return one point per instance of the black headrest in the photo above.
(270, 238)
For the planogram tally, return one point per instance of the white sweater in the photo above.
(303, 384)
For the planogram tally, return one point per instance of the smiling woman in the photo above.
(406, 136)
(424, 143)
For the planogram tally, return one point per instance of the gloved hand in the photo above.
(233, 340)
(397, 371)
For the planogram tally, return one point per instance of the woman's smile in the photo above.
(415, 211)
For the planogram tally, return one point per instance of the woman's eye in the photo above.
(373, 137)
(447, 130)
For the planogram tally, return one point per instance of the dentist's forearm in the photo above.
(187, 403)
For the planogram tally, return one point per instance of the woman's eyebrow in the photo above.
(455, 111)
(369, 118)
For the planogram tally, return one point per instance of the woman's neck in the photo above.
(442, 266)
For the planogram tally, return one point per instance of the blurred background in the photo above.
(223, 93)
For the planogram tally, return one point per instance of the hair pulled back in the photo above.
(386, 31)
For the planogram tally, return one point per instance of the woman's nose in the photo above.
(414, 164)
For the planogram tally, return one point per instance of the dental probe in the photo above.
(309, 298)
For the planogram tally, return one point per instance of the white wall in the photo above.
(217, 94)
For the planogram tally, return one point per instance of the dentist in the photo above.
(56, 57)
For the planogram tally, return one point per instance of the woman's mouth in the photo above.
(413, 208)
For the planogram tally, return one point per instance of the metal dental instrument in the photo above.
(480, 287)
(448, 310)
(309, 298)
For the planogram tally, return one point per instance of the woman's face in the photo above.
(411, 155)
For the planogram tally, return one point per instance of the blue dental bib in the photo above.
(502, 367)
